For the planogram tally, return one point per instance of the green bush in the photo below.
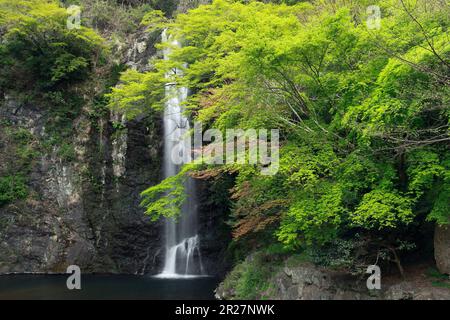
(250, 279)
(111, 16)
(67, 152)
(39, 51)
(12, 188)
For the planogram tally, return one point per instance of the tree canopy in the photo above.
(363, 112)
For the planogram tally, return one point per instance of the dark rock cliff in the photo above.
(85, 210)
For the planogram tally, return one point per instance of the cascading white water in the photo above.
(182, 243)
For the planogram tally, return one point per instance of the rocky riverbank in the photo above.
(306, 281)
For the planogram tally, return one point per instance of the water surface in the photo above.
(51, 287)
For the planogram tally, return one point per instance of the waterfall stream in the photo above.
(182, 243)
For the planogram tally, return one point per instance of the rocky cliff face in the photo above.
(214, 233)
(84, 208)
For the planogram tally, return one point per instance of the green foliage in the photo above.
(166, 198)
(353, 254)
(303, 166)
(363, 114)
(19, 150)
(39, 51)
(424, 169)
(166, 6)
(317, 217)
(339, 254)
(358, 174)
(250, 279)
(110, 16)
(137, 93)
(440, 212)
(12, 188)
(66, 152)
(64, 108)
(154, 20)
(380, 209)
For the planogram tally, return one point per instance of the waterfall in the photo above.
(182, 243)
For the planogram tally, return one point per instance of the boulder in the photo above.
(442, 248)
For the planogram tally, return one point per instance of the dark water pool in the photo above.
(49, 287)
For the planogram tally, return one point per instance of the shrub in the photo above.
(250, 279)
(380, 209)
(12, 188)
(38, 51)
(111, 16)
